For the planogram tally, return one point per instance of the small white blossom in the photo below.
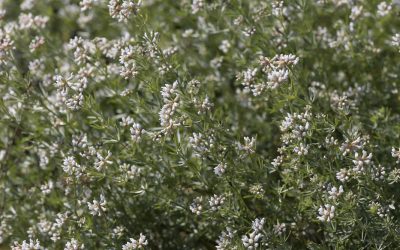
(36, 43)
(343, 175)
(326, 213)
(249, 145)
(71, 167)
(249, 31)
(127, 121)
(258, 224)
(277, 161)
(301, 149)
(277, 8)
(225, 239)
(73, 244)
(196, 207)
(32, 245)
(136, 244)
(216, 202)
(87, 4)
(136, 132)
(277, 77)
(384, 9)
(335, 192)
(130, 171)
(396, 154)
(353, 146)
(280, 228)
(396, 40)
(356, 12)
(27, 4)
(97, 207)
(251, 241)
(220, 169)
(102, 161)
(47, 187)
(123, 9)
(361, 161)
(118, 232)
(225, 46)
(197, 5)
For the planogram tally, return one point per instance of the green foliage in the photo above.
(199, 124)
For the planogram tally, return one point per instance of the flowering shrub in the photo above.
(198, 124)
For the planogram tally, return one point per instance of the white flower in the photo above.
(102, 161)
(73, 244)
(32, 245)
(75, 102)
(249, 145)
(169, 91)
(127, 54)
(71, 167)
(27, 4)
(248, 77)
(171, 103)
(356, 12)
(81, 49)
(220, 169)
(343, 175)
(301, 149)
(79, 142)
(258, 224)
(136, 244)
(60, 219)
(197, 5)
(282, 60)
(128, 70)
(277, 8)
(204, 106)
(396, 154)
(249, 31)
(361, 161)
(251, 241)
(352, 146)
(122, 10)
(277, 161)
(28, 21)
(130, 171)
(225, 46)
(126, 121)
(118, 232)
(280, 228)
(384, 9)
(335, 192)
(201, 144)
(295, 127)
(277, 78)
(97, 207)
(326, 213)
(87, 4)
(36, 43)
(47, 187)
(225, 239)
(216, 202)
(196, 207)
(136, 132)
(396, 40)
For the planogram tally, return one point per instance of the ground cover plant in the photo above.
(199, 124)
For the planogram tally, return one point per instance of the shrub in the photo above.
(195, 124)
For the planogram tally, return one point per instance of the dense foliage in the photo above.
(199, 124)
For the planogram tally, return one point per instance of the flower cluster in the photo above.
(251, 241)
